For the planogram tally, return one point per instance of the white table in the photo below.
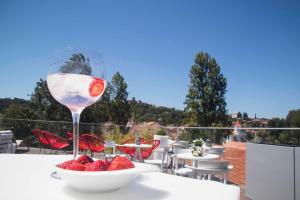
(111, 146)
(189, 156)
(178, 144)
(27, 177)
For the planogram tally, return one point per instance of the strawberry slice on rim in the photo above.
(96, 87)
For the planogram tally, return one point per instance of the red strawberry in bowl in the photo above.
(65, 164)
(84, 159)
(107, 164)
(72, 165)
(101, 175)
(119, 163)
(98, 165)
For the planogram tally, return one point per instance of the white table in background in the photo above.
(27, 177)
(189, 156)
(110, 146)
(178, 144)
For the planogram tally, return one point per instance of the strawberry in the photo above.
(119, 163)
(98, 165)
(72, 165)
(84, 159)
(106, 164)
(96, 87)
(65, 164)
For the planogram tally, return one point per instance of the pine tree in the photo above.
(120, 110)
(205, 101)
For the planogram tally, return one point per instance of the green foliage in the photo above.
(239, 115)
(283, 137)
(277, 122)
(20, 129)
(120, 107)
(161, 132)
(293, 118)
(6, 102)
(77, 64)
(116, 135)
(147, 135)
(205, 101)
(193, 134)
(143, 112)
(245, 116)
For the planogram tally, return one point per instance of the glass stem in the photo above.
(75, 118)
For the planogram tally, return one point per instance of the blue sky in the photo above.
(153, 44)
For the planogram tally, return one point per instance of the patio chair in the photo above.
(95, 144)
(218, 168)
(69, 136)
(179, 165)
(128, 150)
(159, 157)
(56, 142)
(216, 150)
(83, 144)
(44, 143)
(145, 153)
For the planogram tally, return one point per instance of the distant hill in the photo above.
(140, 111)
(6, 102)
(144, 112)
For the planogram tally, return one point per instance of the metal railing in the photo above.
(284, 135)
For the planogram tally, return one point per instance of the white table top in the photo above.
(217, 147)
(109, 145)
(138, 145)
(189, 156)
(27, 177)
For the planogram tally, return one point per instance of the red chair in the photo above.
(69, 136)
(83, 144)
(56, 142)
(128, 150)
(95, 143)
(146, 153)
(44, 143)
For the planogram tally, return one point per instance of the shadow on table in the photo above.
(134, 191)
(21, 151)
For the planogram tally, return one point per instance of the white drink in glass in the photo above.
(75, 91)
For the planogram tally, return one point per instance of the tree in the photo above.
(20, 128)
(293, 118)
(245, 115)
(239, 115)
(77, 64)
(45, 106)
(205, 101)
(6, 102)
(120, 107)
(276, 123)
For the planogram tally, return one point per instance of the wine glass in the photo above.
(77, 80)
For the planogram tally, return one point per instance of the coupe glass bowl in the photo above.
(103, 181)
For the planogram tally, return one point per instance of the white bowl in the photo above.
(103, 181)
